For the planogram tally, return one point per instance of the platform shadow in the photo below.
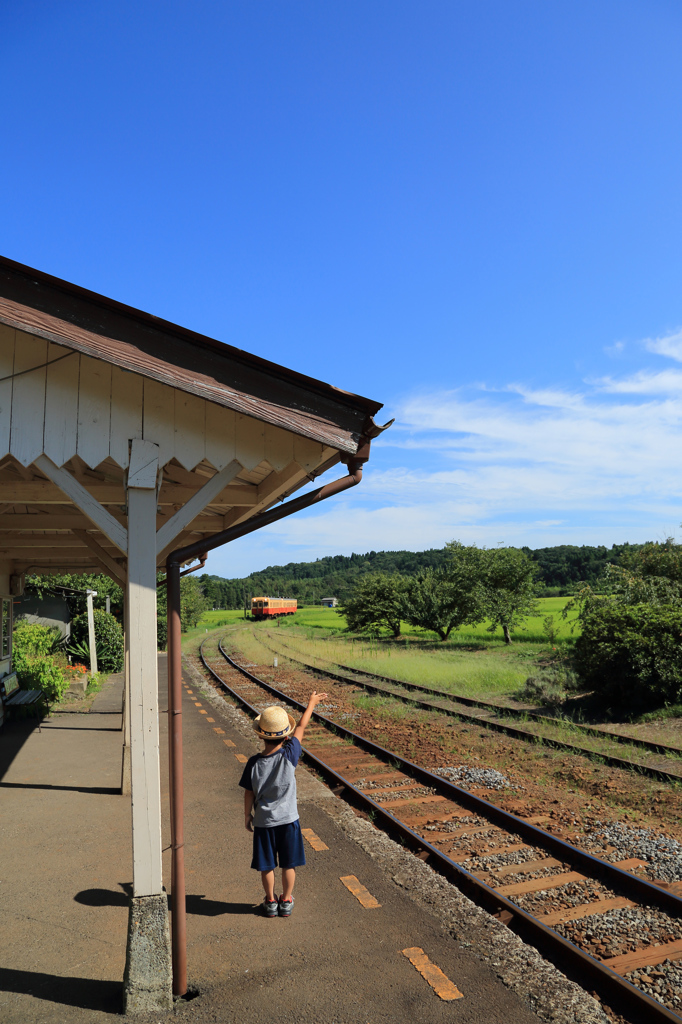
(86, 993)
(97, 790)
(195, 904)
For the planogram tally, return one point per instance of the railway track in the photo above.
(464, 708)
(593, 919)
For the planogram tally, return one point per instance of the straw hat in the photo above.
(274, 724)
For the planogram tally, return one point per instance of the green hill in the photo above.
(561, 568)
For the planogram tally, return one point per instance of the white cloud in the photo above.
(645, 382)
(539, 466)
(669, 345)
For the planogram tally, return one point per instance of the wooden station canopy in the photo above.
(83, 376)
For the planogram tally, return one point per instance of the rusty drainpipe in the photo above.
(173, 563)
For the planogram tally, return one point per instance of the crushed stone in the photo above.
(468, 777)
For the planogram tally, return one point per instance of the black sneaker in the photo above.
(285, 907)
(270, 907)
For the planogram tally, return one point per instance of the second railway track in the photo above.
(602, 925)
(467, 708)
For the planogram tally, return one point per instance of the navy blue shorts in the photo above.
(283, 842)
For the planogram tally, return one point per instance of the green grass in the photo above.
(328, 620)
(212, 620)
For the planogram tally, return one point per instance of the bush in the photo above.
(40, 672)
(161, 634)
(108, 639)
(631, 654)
(550, 686)
(33, 647)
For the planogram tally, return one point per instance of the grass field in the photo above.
(474, 663)
(492, 670)
(327, 620)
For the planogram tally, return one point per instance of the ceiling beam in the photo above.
(60, 521)
(42, 492)
(42, 540)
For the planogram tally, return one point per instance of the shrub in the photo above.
(32, 638)
(631, 654)
(161, 634)
(40, 672)
(551, 685)
(33, 647)
(108, 639)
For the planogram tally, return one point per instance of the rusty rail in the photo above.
(582, 968)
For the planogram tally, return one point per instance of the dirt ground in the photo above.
(574, 791)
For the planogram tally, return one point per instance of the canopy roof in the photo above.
(66, 314)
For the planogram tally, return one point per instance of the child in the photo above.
(269, 785)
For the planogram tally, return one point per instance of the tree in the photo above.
(445, 599)
(630, 654)
(376, 602)
(510, 588)
(193, 604)
(104, 586)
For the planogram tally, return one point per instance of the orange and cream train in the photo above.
(271, 607)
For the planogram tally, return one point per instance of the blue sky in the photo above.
(470, 211)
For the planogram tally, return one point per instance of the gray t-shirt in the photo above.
(273, 781)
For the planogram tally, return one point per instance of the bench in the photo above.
(13, 697)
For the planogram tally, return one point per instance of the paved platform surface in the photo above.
(109, 700)
(65, 871)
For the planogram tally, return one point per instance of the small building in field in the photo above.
(329, 602)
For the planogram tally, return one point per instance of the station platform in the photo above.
(65, 875)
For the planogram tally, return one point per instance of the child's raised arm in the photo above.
(315, 699)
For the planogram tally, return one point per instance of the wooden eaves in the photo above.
(84, 374)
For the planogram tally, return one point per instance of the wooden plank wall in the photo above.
(86, 407)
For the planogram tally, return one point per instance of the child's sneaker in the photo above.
(285, 907)
(270, 907)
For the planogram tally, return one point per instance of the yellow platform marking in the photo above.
(241, 758)
(438, 981)
(197, 703)
(361, 894)
(228, 743)
(314, 839)
(221, 732)
(210, 719)
(190, 693)
(203, 712)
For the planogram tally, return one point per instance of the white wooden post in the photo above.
(125, 717)
(91, 633)
(147, 982)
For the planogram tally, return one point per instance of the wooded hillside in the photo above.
(561, 568)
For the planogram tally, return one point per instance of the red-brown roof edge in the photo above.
(184, 333)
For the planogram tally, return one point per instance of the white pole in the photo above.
(91, 633)
(144, 703)
(147, 981)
